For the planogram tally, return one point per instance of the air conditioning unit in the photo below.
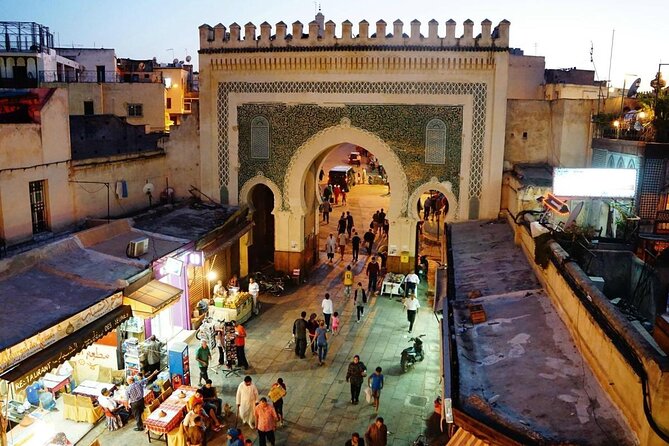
(137, 247)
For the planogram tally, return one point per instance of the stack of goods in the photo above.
(236, 300)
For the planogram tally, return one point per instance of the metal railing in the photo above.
(94, 76)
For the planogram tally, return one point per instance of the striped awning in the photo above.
(463, 437)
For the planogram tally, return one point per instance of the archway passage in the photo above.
(354, 183)
(261, 252)
(432, 208)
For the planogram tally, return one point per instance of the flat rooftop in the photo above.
(520, 369)
(48, 285)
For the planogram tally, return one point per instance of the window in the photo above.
(88, 108)
(38, 206)
(135, 110)
(435, 142)
(259, 138)
(169, 103)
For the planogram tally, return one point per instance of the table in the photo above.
(54, 383)
(92, 388)
(392, 282)
(173, 401)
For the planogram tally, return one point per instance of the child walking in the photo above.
(335, 323)
(375, 381)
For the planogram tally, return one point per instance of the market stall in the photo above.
(234, 306)
(392, 284)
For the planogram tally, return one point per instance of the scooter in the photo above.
(411, 355)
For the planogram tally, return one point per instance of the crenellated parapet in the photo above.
(319, 34)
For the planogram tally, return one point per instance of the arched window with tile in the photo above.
(260, 138)
(435, 142)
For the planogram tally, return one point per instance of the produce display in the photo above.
(393, 278)
(236, 300)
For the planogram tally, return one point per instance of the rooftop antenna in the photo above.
(613, 34)
(171, 49)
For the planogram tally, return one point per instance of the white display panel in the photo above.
(604, 183)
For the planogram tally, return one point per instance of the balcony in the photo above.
(94, 76)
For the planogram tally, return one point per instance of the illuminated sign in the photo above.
(595, 183)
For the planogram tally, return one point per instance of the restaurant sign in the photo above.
(37, 365)
(17, 353)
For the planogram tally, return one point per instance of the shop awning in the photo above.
(40, 363)
(147, 301)
(465, 438)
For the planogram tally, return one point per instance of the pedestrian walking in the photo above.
(349, 223)
(355, 440)
(312, 325)
(330, 247)
(411, 282)
(373, 269)
(266, 419)
(321, 174)
(375, 222)
(427, 207)
(327, 306)
(341, 224)
(335, 323)
(355, 246)
(412, 305)
(348, 281)
(276, 393)
(375, 382)
(240, 343)
(355, 375)
(386, 227)
(377, 433)
(300, 333)
(326, 209)
(369, 239)
(322, 343)
(343, 197)
(247, 395)
(342, 244)
(203, 355)
(360, 299)
(337, 193)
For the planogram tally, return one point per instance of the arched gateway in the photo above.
(432, 109)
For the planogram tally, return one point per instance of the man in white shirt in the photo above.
(254, 290)
(327, 306)
(412, 305)
(411, 282)
(106, 402)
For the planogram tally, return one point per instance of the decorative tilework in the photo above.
(478, 91)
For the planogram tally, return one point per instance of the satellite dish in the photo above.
(631, 93)
(188, 58)
(148, 188)
(155, 59)
(141, 66)
(175, 61)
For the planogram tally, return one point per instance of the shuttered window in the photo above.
(435, 142)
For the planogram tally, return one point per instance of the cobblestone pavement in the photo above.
(317, 407)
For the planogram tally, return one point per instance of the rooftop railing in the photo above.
(93, 76)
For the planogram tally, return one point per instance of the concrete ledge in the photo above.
(614, 372)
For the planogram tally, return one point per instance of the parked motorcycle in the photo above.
(411, 355)
(272, 285)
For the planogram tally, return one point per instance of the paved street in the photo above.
(317, 407)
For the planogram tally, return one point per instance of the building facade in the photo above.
(431, 108)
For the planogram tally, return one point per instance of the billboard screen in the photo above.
(595, 183)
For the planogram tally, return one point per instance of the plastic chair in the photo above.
(70, 411)
(150, 408)
(113, 421)
(87, 411)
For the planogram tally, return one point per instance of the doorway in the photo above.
(261, 252)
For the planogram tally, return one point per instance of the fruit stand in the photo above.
(234, 307)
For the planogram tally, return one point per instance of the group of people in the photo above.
(433, 205)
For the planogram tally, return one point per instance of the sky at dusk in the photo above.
(561, 31)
